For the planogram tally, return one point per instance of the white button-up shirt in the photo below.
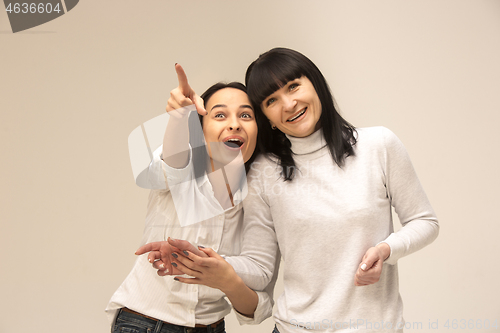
(162, 297)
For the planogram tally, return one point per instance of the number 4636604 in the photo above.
(32, 8)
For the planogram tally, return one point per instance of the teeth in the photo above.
(234, 143)
(300, 114)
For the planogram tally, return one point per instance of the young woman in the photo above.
(322, 192)
(146, 302)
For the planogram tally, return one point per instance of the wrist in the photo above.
(384, 250)
(233, 285)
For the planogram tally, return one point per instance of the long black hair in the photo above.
(272, 71)
(200, 155)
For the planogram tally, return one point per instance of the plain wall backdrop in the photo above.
(73, 89)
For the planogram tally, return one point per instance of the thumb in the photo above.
(198, 102)
(368, 260)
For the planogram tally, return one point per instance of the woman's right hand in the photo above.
(176, 138)
(184, 95)
(214, 271)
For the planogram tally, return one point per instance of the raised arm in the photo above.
(176, 139)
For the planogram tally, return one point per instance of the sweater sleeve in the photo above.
(260, 254)
(262, 312)
(420, 224)
(264, 308)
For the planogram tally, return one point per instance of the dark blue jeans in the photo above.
(127, 322)
(275, 330)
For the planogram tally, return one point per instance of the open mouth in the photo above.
(297, 116)
(234, 143)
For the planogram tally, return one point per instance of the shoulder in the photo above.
(263, 161)
(376, 133)
(376, 137)
(265, 167)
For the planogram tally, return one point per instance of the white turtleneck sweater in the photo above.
(323, 222)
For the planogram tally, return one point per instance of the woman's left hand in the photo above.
(370, 268)
(213, 272)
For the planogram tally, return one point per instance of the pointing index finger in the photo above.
(183, 81)
(186, 90)
(155, 246)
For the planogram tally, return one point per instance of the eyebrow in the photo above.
(243, 106)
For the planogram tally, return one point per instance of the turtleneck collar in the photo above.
(309, 144)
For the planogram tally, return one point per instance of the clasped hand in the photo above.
(178, 257)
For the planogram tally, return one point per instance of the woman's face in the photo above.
(295, 108)
(230, 125)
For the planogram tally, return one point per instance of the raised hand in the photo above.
(184, 95)
(176, 138)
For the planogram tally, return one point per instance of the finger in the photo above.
(200, 107)
(370, 277)
(154, 246)
(179, 100)
(163, 273)
(359, 284)
(210, 252)
(186, 262)
(153, 256)
(183, 81)
(185, 270)
(173, 105)
(184, 245)
(368, 260)
(161, 266)
(358, 281)
(201, 261)
(187, 280)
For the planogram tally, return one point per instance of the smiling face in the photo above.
(231, 122)
(295, 108)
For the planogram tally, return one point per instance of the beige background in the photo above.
(73, 89)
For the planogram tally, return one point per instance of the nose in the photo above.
(288, 104)
(234, 124)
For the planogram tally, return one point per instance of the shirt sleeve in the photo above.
(420, 224)
(160, 174)
(260, 254)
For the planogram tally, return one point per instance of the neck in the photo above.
(226, 180)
